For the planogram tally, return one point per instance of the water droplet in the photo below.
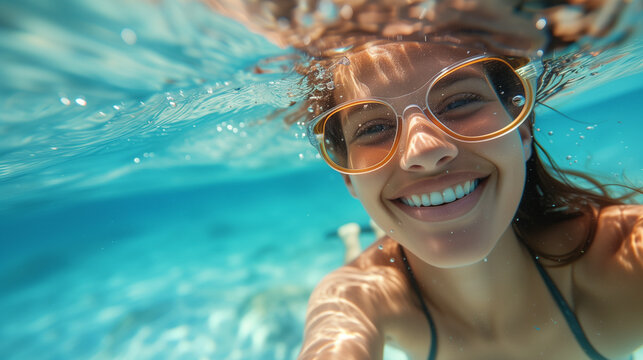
(541, 23)
(310, 109)
(392, 260)
(540, 53)
(518, 100)
(485, 260)
(537, 257)
(391, 231)
(381, 247)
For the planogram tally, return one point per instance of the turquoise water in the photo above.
(148, 210)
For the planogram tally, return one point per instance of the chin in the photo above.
(453, 249)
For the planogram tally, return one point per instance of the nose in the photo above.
(427, 147)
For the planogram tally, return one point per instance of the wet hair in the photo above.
(551, 197)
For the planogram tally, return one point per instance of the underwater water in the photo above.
(149, 207)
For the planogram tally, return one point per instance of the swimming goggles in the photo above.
(478, 99)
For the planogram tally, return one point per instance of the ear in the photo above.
(526, 137)
(349, 185)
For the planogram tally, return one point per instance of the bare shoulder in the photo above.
(609, 279)
(347, 308)
(618, 242)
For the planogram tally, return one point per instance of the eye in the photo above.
(459, 104)
(374, 131)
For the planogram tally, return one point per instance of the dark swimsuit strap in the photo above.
(569, 315)
(434, 335)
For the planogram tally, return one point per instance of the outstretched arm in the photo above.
(340, 322)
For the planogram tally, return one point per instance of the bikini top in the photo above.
(569, 315)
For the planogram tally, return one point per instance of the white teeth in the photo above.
(447, 195)
(436, 198)
(459, 192)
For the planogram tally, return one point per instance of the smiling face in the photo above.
(446, 201)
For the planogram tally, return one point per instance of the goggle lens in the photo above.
(477, 99)
(360, 135)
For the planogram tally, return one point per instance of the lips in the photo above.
(436, 201)
(446, 195)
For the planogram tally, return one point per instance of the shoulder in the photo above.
(349, 307)
(618, 240)
(608, 280)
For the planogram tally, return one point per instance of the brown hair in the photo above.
(551, 197)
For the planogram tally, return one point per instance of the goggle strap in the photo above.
(532, 70)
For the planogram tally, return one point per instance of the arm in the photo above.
(340, 322)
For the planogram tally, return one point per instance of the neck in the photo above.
(472, 293)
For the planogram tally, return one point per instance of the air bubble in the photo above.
(301, 156)
(392, 260)
(485, 260)
(569, 157)
(310, 109)
(518, 100)
(391, 231)
(65, 101)
(137, 160)
(550, 133)
(81, 101)
(344, 61)
(128, 36)
(541, 23)
(381, 247)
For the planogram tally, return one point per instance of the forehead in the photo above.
(395, 69)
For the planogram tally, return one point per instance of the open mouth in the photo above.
(445, 196)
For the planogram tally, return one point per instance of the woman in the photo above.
(487, 255)
(435, 140)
